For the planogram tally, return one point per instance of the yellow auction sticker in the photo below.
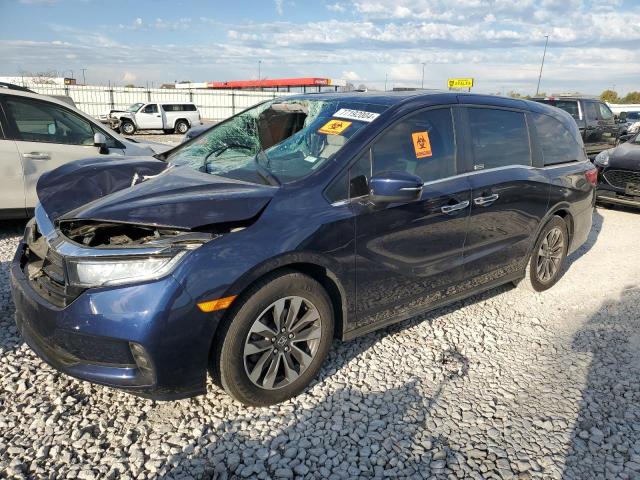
(334, 127)
(421, 144)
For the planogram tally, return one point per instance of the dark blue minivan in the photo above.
(245, 250)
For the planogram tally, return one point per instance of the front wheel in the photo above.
(547, 258)
(127, 127)
(275, 341)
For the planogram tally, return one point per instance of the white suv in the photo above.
(170, 117)
(39, 133)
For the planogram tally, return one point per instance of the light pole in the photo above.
(542, 64)
(386, 75)
(422, 84)
(259, 64)
(84, 80)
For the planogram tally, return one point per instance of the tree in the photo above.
(610, 96)
(632, 97)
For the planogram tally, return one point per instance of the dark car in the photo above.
(596, 121)
(619, 174)
(244, 251)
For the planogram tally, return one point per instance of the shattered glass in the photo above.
(274, 142)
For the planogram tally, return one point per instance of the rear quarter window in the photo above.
(558, 143)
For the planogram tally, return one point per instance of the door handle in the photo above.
(37, 156)
(486, 201)
(454, 208)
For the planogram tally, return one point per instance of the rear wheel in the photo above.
(127, 127)
(545, 266)
(275, 341)
(182, 126)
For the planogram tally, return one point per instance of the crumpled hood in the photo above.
(179, 198)
(625, 156)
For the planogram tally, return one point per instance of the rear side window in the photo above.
(174, 107)
(569, 106)
(559, 144)
(423, 145)
(499, 138)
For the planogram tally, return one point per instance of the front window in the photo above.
(278, 141)
(134, 108)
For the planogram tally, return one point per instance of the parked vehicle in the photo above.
(619, 174)
(39, 133)
(247, 249)
(629, 123)
(598, 127)
(170, 117)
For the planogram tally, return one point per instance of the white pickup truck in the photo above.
(171, 117)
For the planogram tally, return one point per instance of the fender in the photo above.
(295, 260)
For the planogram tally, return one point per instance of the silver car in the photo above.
(39, 133)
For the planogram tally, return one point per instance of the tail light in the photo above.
(592, 176)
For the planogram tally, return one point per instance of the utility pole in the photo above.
(84, 80)
(386, 75)
(422, 84)
(542, 64)
(259, 73)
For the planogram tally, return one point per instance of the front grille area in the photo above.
(620, 178)
(44, 269)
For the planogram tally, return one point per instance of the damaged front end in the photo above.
(60, 263)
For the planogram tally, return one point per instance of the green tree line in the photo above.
(611, 96)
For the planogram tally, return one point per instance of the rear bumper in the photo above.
(91, 338)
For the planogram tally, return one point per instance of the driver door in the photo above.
(149, 117)
(46, 136)
(410, 256)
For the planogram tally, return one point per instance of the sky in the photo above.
(593, 45)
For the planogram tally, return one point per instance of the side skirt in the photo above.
(356, 332)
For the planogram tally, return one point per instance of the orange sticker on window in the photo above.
(334, 127)
(421, 144)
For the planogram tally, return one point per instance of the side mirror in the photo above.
(395, 187)
(100, 141)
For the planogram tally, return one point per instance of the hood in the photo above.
(179, 197)
(625, 156)
(154, 147)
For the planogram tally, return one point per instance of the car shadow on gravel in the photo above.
(605, 442)
(361, 435)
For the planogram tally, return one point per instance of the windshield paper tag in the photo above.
(421, 144)
(334, 127)
(358, 115)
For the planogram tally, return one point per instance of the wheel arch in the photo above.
(562, 210)
(186, 120)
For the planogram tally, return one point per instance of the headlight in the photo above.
(602, 159)
(98, 272)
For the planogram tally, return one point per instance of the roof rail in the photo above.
(13, 86)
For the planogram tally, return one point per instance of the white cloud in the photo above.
(279, 6)
(350, 76)
(336, 7)
(128, 77)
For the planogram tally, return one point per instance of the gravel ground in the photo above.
(507, 384)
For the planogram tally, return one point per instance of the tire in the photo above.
(181, 127)
(535, 281)
(245, 375)
(127, 127)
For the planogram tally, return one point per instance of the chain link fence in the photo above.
(213, 104)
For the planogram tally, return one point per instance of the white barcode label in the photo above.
(359, 115)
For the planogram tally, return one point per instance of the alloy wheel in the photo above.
(282, 342)
(550, 255)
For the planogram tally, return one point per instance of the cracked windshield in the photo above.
(277, 141)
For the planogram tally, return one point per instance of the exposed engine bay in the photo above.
(106, 234)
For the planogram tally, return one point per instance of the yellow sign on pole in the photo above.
(460, 82)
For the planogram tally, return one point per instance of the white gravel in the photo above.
(504, 385)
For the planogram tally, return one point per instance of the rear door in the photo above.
(149, 117)
(12, 201)
(409, 253)
(509, 196)
(47, 135)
